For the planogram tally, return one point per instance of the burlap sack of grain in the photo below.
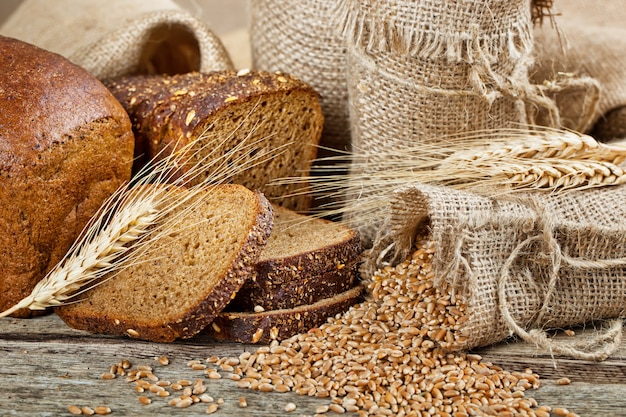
(301, 39)
(521, 265)
(110, 38)
(591, 41)
(420, 70)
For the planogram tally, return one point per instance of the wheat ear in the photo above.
(360, 183)
(131, 219)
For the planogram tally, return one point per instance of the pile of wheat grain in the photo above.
(383, 357)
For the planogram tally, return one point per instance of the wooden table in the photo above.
(45, 367)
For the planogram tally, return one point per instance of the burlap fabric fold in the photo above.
(110, 38)
(420, 70)
(591, 41)
(522, 264)
(301, 39)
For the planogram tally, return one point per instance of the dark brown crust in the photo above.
(299, 288)
(66, 145)
(202, 314)
(317, 262)
(246, 327)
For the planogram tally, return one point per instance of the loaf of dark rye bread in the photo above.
(278, 116)
(190, 274)
(66, 145)
(263, 327)
(306, 259)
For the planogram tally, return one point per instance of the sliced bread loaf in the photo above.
(306, 259)
(268, 122)
(266, 326)
(192, 272)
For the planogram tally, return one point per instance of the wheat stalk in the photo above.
(489, 163)
(131, 220)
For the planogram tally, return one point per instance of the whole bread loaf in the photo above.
(192, 271)
(66, 145)
(306, 259)
(277, 117)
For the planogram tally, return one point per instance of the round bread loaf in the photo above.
(66, 145)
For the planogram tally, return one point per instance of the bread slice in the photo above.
(277, 116)
(280, 324)
(306, 259)
(189, 276)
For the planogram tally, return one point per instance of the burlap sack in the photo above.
(110, 38)
(420, 70)
(521, 265)
(300, 39)
(591, 41)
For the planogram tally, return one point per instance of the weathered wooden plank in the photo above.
(46, 366)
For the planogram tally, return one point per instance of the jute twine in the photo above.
(590, 43)
(521, 265)
(418, 71)
(301, 39)
(110, 38)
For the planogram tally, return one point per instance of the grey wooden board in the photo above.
(46, 366)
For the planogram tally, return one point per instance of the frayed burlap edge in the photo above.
(378, 31)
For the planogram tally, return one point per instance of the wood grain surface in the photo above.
(46, 367)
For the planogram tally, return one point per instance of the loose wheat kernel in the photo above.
(184, 402)
(102, 410)
(206, 398)
(321, 409)
(88, 411)
(289, 407)
(570, 333)
(184, 382)
(198, 367)
(220, 401)
(563, 381)
(163, 360)
(132, 332)
(108, 375)
(212, 408)
(242, 402)
(559, 411)
(73, 409)
(336, 408)
(144, 400)
(163, 394)
(258, 309)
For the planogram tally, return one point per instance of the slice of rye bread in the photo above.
(306, 259)
(277, 115)
(191, 273)
(278, 325)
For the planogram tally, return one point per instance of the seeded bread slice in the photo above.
(192, 273)
(281, 324)
(305, 260)
(280, 115)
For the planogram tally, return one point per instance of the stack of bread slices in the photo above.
(307, 272)
(241, 263)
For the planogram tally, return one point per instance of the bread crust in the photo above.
(169, 112)
(193, 320)
(66, 145)
(280, 324)
(293, 287)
